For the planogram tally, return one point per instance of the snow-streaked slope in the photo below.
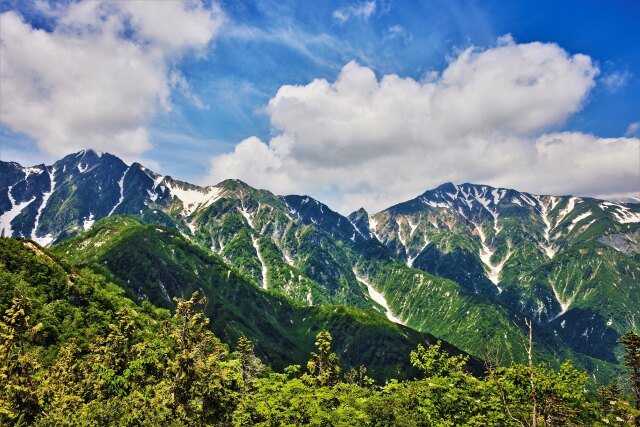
(193, 198)
(48, 238)
(121, 185)
(486, 253)
(545, 207)
(254, 241)
(9, 216)
(380, 299)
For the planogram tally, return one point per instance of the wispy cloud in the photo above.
(616, 80)
(398, 32)
(362, 10)
(633, 130)
(323, 49)
(180, 84)
(306, 44)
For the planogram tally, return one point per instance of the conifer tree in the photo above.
(18, 388)
(631, 343)
(613, 405)
(250, 365)
(203, 386)
(359, 377)
(324, 369)
(111, 355)
(62, 385)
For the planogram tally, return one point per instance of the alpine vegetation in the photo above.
(365, 213)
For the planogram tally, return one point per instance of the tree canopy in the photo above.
(75, 351)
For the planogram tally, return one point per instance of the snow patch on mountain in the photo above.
(411, 259)
(436, 204)
(465, 197)
(486, 254)
(412, 226)
(373, 226)
(624, 215)
(545, 208)
(379, 298)
(497, 194)
(11, 214)
(584, 227)
(293, 211)
(564, 303)
(247, 215)
(621, 213)
(34, 170)
(121, 185)
(194, 198)
(355, 230)
(577, 219)
(480, 197)
(88, 222)
(254, 241)
(47, 239)
(571, 204)
(157, 179)
(527, 199)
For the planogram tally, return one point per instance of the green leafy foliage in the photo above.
(111, 361)
(324, 369)
(433, 361)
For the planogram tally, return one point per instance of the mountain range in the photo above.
(463, 263)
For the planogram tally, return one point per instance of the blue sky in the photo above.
(240, 76)
(257, 47)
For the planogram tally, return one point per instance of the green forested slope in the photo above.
(76, 351)
(570, 263)
(157, 264)
(459, 261)
(471, 321)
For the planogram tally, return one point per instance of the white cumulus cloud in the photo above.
(492, 116)
(98, 78)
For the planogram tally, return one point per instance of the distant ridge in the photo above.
(462, 262)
